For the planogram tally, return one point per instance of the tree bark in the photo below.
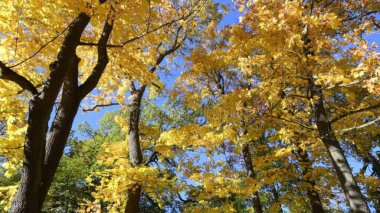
(256, 202)
(351, 190)
(312, 193)
(26, 198)
(40, 108)
(72, 95)
(60, 131)
(135, 154)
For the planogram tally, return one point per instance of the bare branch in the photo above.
(98, 106)
(362, 15)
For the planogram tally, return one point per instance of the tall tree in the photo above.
(66, 80)
(305, 67)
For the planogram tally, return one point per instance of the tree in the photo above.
(305, 67)
(44, 144)
(265, 115)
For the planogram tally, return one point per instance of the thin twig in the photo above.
(42, 47)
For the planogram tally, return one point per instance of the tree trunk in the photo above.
(276, 196)
(26, 198)
(135, 154)
(72, 95)
(60, 130)
(251, 173)
(312, 193)
(40, 107)
(352, 191)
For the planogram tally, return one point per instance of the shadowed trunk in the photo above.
(40, 108)
(72, 95)
(312, 193)
(352, 191)
(135, 154)
(60, 130)
(251, 173)
(26, 198)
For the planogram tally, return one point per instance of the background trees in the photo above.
(266, 115)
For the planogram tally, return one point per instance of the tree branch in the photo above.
(140, 36)
(98, 106)
(59, 68)
(151, 158)
(42, 47)
(102, 62)
(339, 117)
(360, 127)
(185, 200)
(7, 73)
(344, 85)
(169, 51)
(295, 122)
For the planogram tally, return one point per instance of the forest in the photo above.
(192, 106)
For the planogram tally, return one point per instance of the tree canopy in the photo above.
(278, 112)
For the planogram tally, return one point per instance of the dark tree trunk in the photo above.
(60, 130)
(251, 173)
(375, 164)
(26, 198)
(40, 107)
(72, 95)
(312, 193)
(135, 154)
(133, 202)
(351, 189)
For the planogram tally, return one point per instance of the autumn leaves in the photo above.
(278, 101)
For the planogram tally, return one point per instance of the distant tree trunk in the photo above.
(352, 191)
(251, 173)
(40, 107)
(135, 154)
(312, 193)
(276, 196)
